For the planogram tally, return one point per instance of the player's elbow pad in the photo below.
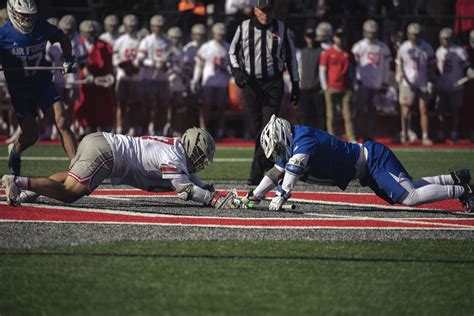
(295, 168)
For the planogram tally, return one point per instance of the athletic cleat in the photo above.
(12, 191)
(14, 161)
(467, 199)
(28, 197)
(461, 177)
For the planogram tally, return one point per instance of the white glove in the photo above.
(221, 201)
(250, 198)
(280, 198)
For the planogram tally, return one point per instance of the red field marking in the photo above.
(71, 215)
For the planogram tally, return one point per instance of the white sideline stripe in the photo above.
(339, 217)
(109, 197)
(53, 158)
(246, 227)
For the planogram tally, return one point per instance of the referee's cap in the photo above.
(264, 4)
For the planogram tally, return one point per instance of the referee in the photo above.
(261, 49)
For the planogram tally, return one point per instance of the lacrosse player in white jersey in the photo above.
(150, 163)
(452, 63)
(190, 49)
(373, 62)
(414, 72)
(128, 78)
(211, 74)
(111, 24)
(152, 58)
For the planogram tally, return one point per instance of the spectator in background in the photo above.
(336, 84)
(237, 11)
(178, 80)
(111, 25)
(312, 100)
(152, 58)
(415, 71)
(190, 50)
(128, 79)
(210, 73)
(452, 62)
(96, 104)
(372, 69)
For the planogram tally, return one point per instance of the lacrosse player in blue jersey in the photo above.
(22, 44)
(313, 156)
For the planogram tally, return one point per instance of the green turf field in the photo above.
(242, 277)
(418, 162)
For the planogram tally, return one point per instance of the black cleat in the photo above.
(461, 177)
(14, 161)
(467, 199)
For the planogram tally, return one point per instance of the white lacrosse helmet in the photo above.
(199, 147)
(67, 24)
(276, 138)
(22, 13)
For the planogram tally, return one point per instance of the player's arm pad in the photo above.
(295, 167)
(275, 175)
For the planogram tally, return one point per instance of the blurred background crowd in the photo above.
(149, 67)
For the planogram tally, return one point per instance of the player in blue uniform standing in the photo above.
(315, 156)
(22, 44)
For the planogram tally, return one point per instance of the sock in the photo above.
(442, 179)
(457, 191)
(425, 135)
(23, 183)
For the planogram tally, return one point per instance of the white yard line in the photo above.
(53, 158)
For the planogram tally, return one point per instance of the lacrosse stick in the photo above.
(285, 207)
(101, 81)
(37, 68)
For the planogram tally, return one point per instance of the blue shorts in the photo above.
(383, 172)
(26, 101)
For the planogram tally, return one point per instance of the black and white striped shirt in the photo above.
(263, 51)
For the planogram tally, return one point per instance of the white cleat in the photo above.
(12, 191)
(28, 197)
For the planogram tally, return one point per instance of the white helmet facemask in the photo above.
(22, 13)
(276, 138)
(199, 147)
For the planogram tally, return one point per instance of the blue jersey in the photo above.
(18, 50)
(330, 158)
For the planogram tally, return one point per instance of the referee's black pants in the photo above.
(262, 100)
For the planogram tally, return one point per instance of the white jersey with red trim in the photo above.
(213, 56)
(148, 163)
(373, 61)
(415, 62)
(125, 49)
(452, 63)
(153, 49)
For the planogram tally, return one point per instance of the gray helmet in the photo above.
(323, 31)
(157, 20)
(199, 147)
(218, 28)
(67, 23)
(130, 20)
(111, 20)
(86, 26)
(414, 28)
(370, 26)
(446, 33)
(198, 29)
(174, 32)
